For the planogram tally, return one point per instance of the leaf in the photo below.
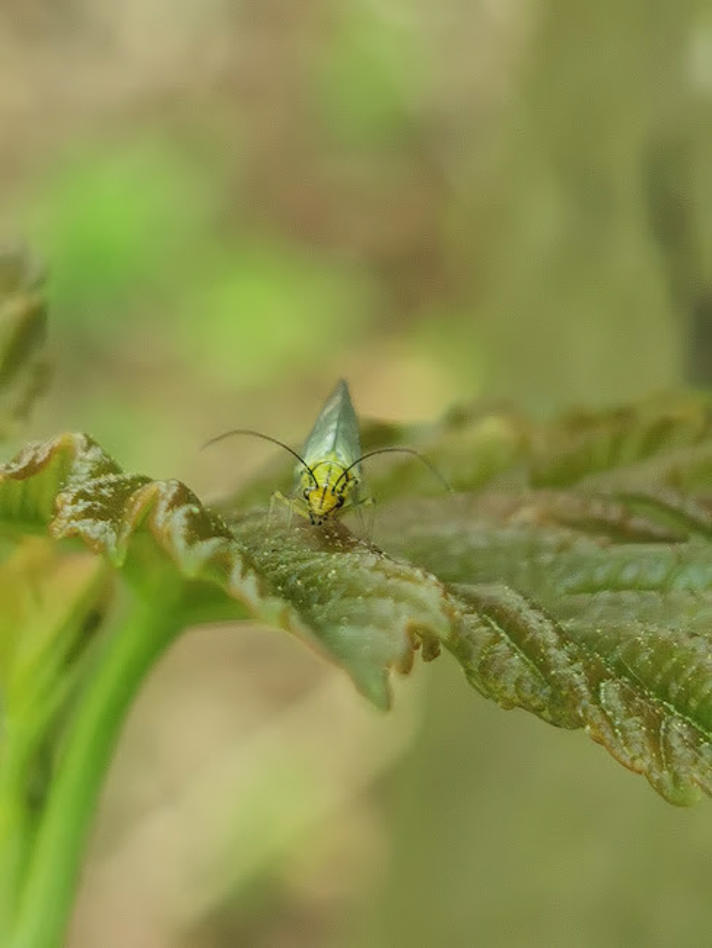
(570, 577)
(23, 369)
(584, 611)
(352, 602)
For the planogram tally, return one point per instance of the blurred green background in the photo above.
(239, 203)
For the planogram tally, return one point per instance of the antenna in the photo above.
(258, 434)
(417, 454)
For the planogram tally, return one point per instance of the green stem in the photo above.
(49, 886)
(14, 827)
(37, 693)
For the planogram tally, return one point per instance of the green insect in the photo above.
(328, 479)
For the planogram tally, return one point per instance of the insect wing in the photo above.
(335, 432)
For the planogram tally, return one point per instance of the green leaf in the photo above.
(23, 369)
(578, 559)
(571, 576)
(349, 600)
(581, 609)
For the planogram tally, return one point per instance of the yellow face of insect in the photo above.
(328, 493)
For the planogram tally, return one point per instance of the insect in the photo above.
(327, 478)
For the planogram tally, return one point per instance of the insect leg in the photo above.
(366, 521)
(278, 502)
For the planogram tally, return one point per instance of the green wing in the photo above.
(335, 432)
